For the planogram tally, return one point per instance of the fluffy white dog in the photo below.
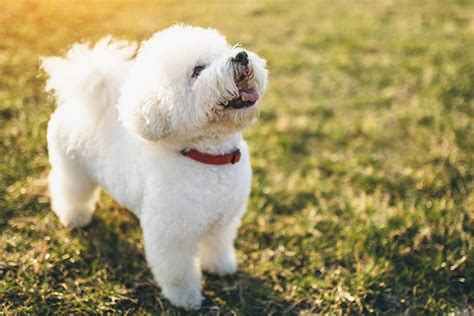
(161, 132)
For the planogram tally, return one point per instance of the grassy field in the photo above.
(363, 159)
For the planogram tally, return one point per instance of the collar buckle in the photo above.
(235, 156)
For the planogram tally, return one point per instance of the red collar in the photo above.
(229, 158)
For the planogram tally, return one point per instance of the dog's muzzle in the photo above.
(243, 76)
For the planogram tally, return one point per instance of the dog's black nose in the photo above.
(242, 58)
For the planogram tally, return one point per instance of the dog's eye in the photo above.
(197, 71)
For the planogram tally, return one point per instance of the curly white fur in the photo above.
(120, 124)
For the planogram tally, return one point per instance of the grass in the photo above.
(363, 162)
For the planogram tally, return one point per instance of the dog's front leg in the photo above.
(172, 258)
(216, 249)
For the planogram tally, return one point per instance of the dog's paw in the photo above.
(187, 298)
(221, 265)
(75, 219)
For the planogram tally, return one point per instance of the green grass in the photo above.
(363, 160)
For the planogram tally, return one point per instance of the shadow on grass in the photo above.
(126, 265)
(423, 268)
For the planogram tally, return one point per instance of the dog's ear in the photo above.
(147, 117)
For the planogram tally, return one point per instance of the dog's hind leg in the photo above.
(73, 193)
(216, 249)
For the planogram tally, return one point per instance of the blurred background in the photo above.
(363, 161)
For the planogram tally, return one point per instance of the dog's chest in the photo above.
(221, 191)
(205, 196)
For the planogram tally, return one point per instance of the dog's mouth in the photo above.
(247, 97)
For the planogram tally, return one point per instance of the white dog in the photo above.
(161, 132)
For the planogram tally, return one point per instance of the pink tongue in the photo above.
(249, 95)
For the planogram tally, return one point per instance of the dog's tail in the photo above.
(90, 75)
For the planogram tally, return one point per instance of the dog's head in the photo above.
(189, 82)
